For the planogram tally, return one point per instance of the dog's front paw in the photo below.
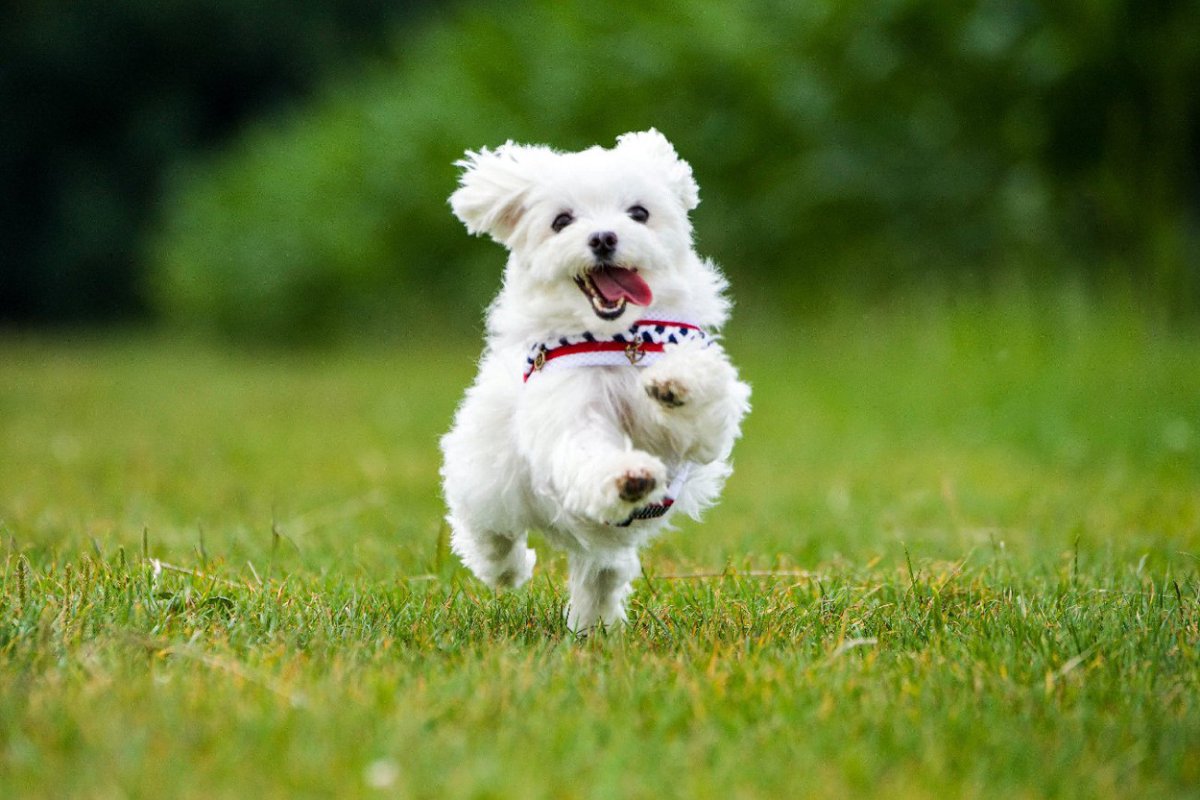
(688, 377)
(617, 486)
(696, 400)
(669, 392)
(635, 485)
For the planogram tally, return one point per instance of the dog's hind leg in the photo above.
(501, 560)
(599, 584)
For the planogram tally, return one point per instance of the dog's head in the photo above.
(591, 233)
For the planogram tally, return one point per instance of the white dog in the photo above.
(603, 399)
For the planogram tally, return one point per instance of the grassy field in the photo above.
(958, 558)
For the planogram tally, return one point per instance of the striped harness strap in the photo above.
(640, 345)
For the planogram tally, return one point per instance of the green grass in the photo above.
(959, 557)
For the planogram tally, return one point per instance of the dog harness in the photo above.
(640, 345)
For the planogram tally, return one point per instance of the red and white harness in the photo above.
(640, 345)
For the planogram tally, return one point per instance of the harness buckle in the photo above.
(634, 352)
(539, 360)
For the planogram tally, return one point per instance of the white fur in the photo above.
(552, 454)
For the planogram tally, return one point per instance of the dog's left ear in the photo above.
(491, 194)
(654, 147)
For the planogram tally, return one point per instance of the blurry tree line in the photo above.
(841, 148)
(98, 98)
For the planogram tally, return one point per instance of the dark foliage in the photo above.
(99, 97)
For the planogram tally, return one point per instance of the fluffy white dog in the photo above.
(604, 401)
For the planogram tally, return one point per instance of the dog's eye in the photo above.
(561, 221)
(638, 213)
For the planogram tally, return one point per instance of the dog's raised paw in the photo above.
(635, 485)
(669, 393)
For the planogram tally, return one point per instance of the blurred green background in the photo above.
(278, 171)
(958, 554)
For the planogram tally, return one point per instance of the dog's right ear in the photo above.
(492, 188)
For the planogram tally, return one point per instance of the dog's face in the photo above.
(592, 233)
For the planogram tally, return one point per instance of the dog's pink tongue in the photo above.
(617, 282)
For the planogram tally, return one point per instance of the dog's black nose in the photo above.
(603, 243)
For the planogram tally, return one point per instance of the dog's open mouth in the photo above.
(610, 288)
